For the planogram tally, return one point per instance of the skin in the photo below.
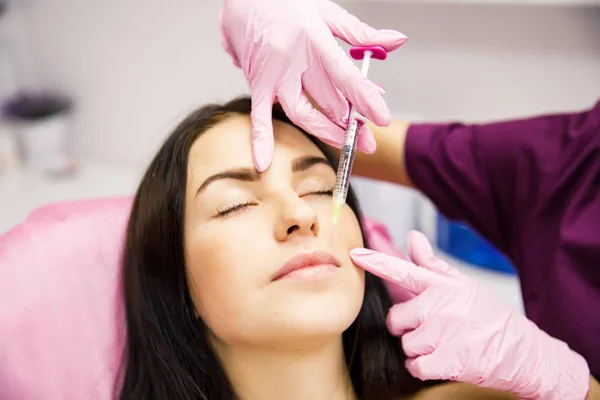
(388, 164)
(273, 337)
(460, 391)
(292, 329)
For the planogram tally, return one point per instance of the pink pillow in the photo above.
(61, 311)
(61, 314)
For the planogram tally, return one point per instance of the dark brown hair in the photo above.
(167, 354)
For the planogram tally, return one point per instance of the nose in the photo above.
(297, 219)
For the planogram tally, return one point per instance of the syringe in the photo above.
(355, 121)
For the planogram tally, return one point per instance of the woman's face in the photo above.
(242, 227)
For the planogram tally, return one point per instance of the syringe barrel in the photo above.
(344, 171)
(342, 182)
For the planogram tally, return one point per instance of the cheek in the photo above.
(347, 235)
(219, 278)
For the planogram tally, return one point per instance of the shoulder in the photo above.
(460, 391)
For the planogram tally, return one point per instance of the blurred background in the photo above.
(90, 89)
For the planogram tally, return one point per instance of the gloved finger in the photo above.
(405, 317)
(355, 32)
(345, 75)
(298, 108)
(434, 367)
(400, 272)
(262, 130)
(329, 99)
(421, 341)
(397, 293)
(366, 140)
(421, 253)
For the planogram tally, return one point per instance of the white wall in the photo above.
(481, 62)
(16, 63)
(136, 66)
(477, 63)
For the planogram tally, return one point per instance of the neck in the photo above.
(316, 373)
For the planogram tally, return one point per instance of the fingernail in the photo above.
(418, 241)
(390, 322)
(384, 117)
(379, 111)
(361, 252)
(262, 150)
(260, 163)
(439, 264)
(395, 37)
(368, 143)
(381, 89)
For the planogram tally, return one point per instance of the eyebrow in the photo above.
(299, 164)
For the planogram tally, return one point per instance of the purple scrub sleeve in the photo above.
(532, 188)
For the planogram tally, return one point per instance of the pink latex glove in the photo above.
(379, 239)
(455, 330)
(286, 47)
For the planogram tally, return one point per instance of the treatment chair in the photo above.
(61, 313)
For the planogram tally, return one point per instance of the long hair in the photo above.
(167, 354)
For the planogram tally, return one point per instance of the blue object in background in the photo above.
(462, 242)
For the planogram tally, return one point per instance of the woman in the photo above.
(529, 186)
(215, 309)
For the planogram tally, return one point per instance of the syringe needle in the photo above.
(337, 211)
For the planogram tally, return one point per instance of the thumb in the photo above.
(353, 31)
(262, 131)
(421, 253)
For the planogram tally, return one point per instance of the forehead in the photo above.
(229, 145)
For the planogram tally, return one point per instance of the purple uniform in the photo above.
(531, 187)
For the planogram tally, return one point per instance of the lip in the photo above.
(305, 260)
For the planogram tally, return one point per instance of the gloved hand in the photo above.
(287, 46)
(455, 330)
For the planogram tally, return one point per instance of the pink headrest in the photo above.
(61, 317)
(381, 241)
(61, 311)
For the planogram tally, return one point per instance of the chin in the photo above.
(322, 314)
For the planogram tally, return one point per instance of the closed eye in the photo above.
(322, 193)
(242, 206)
(233, 208)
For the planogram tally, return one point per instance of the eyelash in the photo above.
(242, 206)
